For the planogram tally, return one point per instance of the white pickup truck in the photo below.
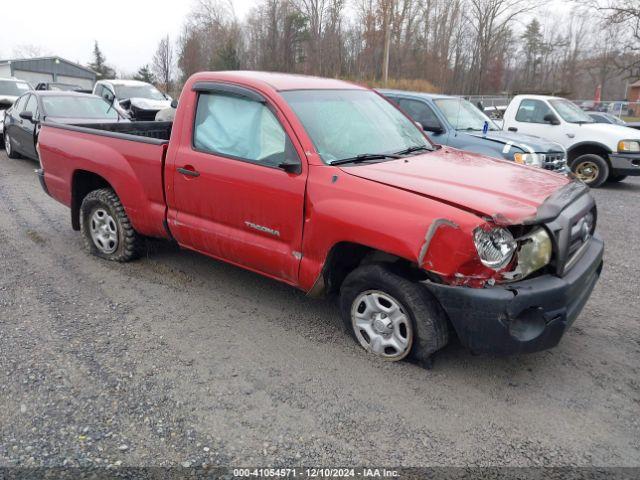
(596, 152)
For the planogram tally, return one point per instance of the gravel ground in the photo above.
(181, 360)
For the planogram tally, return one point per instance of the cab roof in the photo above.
(281, 81)
(430, 96)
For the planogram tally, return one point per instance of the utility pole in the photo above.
(387, 42)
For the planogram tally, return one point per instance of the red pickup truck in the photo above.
(328, 187)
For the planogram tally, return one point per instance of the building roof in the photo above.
(57, 65)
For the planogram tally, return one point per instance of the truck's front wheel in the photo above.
(391, 316)
(591, 169)
(106, 229)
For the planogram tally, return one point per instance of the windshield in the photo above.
(570, 112)
(462, 115)
(347, 123)
(138, 91)
(78, 107)
(13, 88)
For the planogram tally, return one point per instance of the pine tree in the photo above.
(145, 75)
(99, 64)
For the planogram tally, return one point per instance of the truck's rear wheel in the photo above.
(591, 169)
(390, 316)
(106, 229)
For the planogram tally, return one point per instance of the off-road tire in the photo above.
(616, 178)
(129, 242)
(430, 325)
(600, 163)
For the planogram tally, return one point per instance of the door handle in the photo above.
(189, 171)
(512, 129)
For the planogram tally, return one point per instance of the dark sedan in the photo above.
(22, 121)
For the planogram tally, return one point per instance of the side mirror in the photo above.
(432, 127)
(552, 119)
(174, 103)
(27, 116)
(291, 166)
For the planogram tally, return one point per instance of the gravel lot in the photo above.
(181, 360)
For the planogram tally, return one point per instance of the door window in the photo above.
(533, 111)
(392, 99)
(240, 128)
(20, 103)
(420, 112)
(32, 105)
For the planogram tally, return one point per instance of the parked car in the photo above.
(139, 100)
(597, 152)
(324, 185)
(61, 87)
(23, 120)
(602, 117)
(456, 122)
(10, 90)
(619, 108)
(494, 112)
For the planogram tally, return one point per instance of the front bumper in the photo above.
(625, 163)
(521, 317)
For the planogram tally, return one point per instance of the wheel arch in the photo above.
(83, 182)
(344, 257)
(583, 148)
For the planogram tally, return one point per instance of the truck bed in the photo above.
(127, 156)
(148, 132)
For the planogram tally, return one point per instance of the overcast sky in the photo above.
(127, 31)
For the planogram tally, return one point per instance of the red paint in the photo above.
(388, 206)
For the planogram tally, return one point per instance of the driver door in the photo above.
(26, 130)
(232, 197)
(530, 120)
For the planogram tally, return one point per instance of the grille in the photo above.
(554, 161)
(572, 231)
(581, 232)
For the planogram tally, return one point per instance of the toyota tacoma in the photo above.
(326, 186)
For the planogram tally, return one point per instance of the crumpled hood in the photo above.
(507, 192)
(149, 104)
(517, 141)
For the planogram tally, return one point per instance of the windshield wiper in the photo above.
(415, 148)
(364, 157)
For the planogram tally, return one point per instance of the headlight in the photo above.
(629, 146)
(534, 252)
(531, 159)
(495, 247)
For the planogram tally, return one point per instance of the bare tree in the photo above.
(29, 51)
(163, 65)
